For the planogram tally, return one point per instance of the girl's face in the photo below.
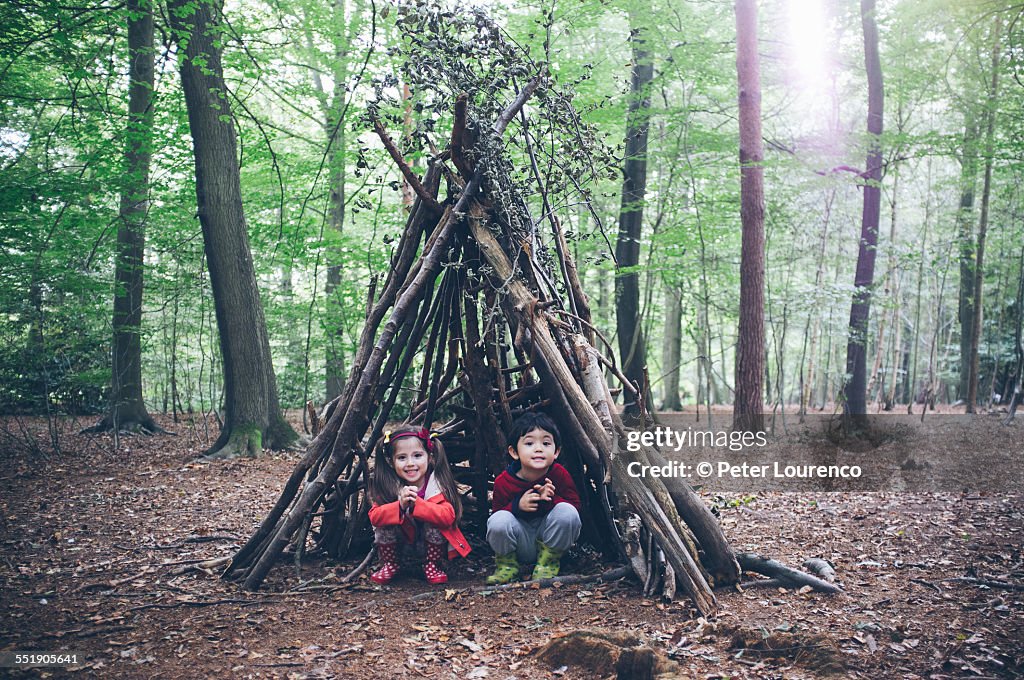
(411, 460)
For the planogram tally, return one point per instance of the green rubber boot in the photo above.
(548, 562)
(506, 569)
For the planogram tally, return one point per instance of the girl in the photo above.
(414, 494)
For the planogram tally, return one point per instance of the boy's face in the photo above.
(535, 450)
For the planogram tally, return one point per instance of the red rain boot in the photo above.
(435, 553)
(388, 553)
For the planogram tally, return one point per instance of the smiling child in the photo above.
(535, 504)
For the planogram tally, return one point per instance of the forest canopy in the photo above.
(324, 205)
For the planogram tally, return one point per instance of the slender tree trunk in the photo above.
(632, 344)
(916, 342)
(979, 262)
(1018, 348)
(671, 354)
(334, 109)
(252, 415)
(128, 409)
(855, 392)
(335, 365)
(897, 360)
(994, 384)
(888, 289)
(892, 277)
(297, 362)
(819, 276)
(965, 237)
(750, 349)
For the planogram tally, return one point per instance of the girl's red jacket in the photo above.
(435, 510)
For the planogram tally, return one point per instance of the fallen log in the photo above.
(786, 576)
(821, 568)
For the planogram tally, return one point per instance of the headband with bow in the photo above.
(423, 434)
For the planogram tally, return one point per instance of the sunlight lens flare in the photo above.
(808, 34)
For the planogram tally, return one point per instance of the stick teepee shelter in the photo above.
(482, 316)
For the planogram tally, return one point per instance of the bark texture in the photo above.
(750, 356)
(855, 392)
(632, 344)
(671, 356)
(128, 409)
(979, 260)
(965, 239)
(253, 417)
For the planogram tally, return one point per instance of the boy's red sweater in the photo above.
(510, 487)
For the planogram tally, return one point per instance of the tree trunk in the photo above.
(335, 364)
(128, 409)
(632, 344)
(1018, 348)
(333, 109)
(855, 391)
(253, 417)
(979, 262)
(892, 287)
(915, 344)
(808, 397)
(965, 238)
(748, 402)
(672, 351)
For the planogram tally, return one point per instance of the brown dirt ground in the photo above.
(90, 538)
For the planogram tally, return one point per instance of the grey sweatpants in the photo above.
(558, 529)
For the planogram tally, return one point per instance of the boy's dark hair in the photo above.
(530, 421)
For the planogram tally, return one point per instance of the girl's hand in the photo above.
(407, 497)
(528, 501)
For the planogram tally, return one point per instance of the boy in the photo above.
(535, 503)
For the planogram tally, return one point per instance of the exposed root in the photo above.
(243, 443)
(144, 426)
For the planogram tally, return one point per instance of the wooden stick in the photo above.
(1005, 585)
(361, 567)
(409, 175)
(821, 568)
(192, 603)
(786, 575)
(459, 137)
(199, 566)
(569, 580)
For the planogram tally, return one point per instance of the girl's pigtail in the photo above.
(444, 477)
(384, 483)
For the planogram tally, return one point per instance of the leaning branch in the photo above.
(458, 144)
(407, 172)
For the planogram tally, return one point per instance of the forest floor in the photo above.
(92, 536)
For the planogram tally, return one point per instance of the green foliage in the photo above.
(301, 77)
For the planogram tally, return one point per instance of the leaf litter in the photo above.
(104, 553)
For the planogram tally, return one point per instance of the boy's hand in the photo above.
(407, 497)
(528, 501)
(546, 491)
